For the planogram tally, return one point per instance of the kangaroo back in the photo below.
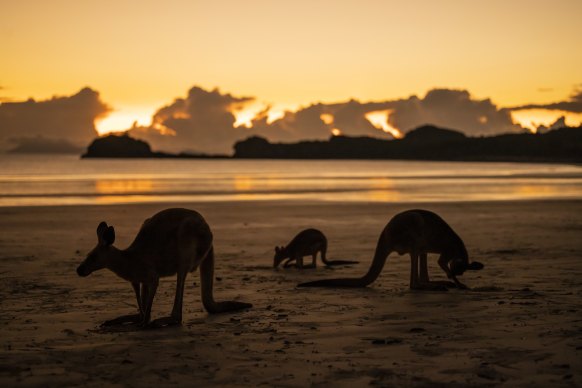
(307, 242)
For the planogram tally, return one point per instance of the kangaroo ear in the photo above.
(109, 235)
(101, 228)
(277, 249)
(475, 266)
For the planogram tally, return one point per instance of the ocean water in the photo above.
(35, 180)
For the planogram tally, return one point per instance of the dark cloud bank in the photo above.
(56, 125)
(573, 105)
(204, 120)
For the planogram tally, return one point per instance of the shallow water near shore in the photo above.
(32, 180)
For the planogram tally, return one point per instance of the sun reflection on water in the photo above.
(123, 186)
(383, 189)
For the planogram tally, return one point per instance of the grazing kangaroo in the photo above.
(173, 241)
(416, 232)
(307, 242)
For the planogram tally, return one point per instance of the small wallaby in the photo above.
(307, 242)
(416, 232)
(173, 241)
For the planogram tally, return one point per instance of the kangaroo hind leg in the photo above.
(188, 259)
(176, 317)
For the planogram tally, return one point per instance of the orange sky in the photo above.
(141, 55)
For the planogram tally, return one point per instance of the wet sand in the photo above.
(521, 324)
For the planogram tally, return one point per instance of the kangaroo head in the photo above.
(458, 267)
(97, 258)
(280, 255)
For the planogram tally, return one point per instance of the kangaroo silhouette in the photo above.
(173, 241)
(416, 232)
(308, 242)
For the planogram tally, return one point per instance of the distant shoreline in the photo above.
(226, 157)
(427, 143)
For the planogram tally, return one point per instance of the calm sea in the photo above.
(66, 180)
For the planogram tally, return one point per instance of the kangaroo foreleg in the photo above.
(179, 298)
(130, 318)
(424, 278)
(414, 283)
(148, 291)
(299, 262)
(443, 263)
(423, 268)
(288, 262)
(136, 290)
(207, 283)
(313, 263)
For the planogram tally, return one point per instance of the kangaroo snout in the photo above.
(82, 271)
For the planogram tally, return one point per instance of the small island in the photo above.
(125, 146)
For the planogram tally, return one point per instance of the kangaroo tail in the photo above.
(333, 262)
(382, 250)
(340, 262)
(207, 282)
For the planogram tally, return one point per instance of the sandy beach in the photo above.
(520, 325)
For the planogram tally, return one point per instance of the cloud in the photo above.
(573, 104)
(203, 121)
(559, 123)
(39, 144)
(304, 124)
(350, 118)
(448, 108)
(451, 108)
(69, 119)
